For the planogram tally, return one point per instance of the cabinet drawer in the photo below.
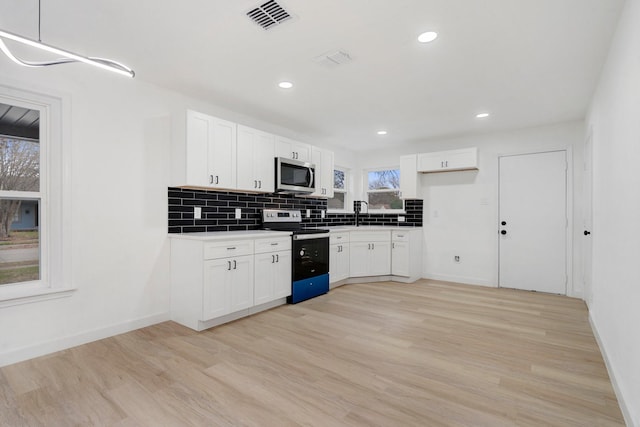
(273, 245)
(370, 236)
(341, 237)
(213, 250)
(400, 236)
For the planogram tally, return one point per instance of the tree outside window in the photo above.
(19, 195)
(383, 189)
(339, 200)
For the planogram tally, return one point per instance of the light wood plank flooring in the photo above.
(382, 354)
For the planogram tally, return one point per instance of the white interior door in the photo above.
(533, 222)
(587, 220)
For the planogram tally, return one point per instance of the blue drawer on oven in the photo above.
(309, 288)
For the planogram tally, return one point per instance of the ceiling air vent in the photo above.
(268, 15)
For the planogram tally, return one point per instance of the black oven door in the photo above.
(310, 256)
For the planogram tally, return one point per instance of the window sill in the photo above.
(385, 211)
(8, 299)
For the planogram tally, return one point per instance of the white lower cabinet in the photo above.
(272, 276)
(339, 257)
(370, 253)
(228, 286)
(216, 281)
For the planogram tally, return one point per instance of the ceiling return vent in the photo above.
(333, 58)
(269, 15)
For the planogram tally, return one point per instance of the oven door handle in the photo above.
(311, 236)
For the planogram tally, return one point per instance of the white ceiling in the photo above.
(527, 62)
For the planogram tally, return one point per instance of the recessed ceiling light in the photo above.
(427, 37)
(285, 85)
(382, 132)
(482, 115)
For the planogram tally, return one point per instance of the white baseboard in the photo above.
(623, 405)
(461, 279)
(47, 347)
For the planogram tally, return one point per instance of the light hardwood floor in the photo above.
(383, 354)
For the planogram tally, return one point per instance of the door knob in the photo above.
(503, 232)
(586, 233)
(504, 223)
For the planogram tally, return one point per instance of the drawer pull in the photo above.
(231, 248)
(274, 244)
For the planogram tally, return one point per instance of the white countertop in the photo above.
(227, 235)
(371, 228)
(256, 234)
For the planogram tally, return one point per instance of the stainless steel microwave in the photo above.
(295, 176)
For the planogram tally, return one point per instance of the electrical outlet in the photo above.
(238, 213)
(308, 213)
(456, 258)
(400, 218)
(197, 212)
(322, 213)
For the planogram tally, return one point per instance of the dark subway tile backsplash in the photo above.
(218, 211)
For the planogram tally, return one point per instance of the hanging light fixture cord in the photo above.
(105, 64)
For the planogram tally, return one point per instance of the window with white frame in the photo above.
(31, 186)
(382, 187)
(340, 200)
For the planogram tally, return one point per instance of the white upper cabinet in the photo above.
(255, 160)
(291, 149)
(452, 160)
(409, 178)
(204, 152)
(323, 159)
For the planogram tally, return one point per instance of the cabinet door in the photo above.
(264, 278)
(255, 160)
(222, 154)
(245, 178)
(292, 149)
(359, 259)
(341, 268)
(334, 254)
(282, 282)
(462, 159)
(264, 162)
(429, 162)
(326, 173)
(242, 283)
(409, 177)
(400, 259)
(216, 296)
(199, 133)
(380, 259)
(323, 159)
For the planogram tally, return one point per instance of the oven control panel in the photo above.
(281, 215)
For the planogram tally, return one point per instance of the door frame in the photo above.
(569, 289)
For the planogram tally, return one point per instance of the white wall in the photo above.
(461, 208)
(118, 134)
(615, 295)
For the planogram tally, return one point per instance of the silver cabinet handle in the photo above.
(255, 184)
(273, 259)
(228, 265)
(232, 248)
(260, 184)
(393, 246)
(274, 244)
(210, 179)
(277, 258)
(373, 246)
(217, 180)
(234, 264)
